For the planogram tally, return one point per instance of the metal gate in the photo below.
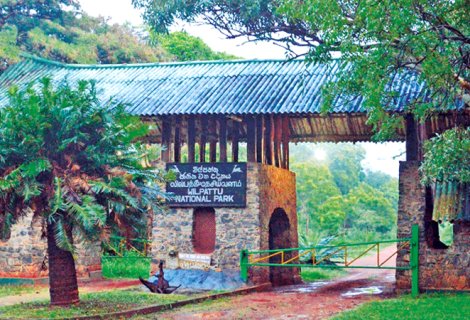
(290, 257)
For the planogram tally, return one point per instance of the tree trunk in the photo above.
(63, 285)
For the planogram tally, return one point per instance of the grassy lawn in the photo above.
(130, 267)
(427, 307)
(91, 304)
(315, 274)
(11, 290)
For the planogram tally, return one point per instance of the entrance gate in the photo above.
(289, 257)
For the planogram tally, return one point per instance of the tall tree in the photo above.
(73, 161)
(377, 40)
(185, 47)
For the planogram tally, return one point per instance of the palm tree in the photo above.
(74, 161)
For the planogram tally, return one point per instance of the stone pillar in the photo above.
(439, 269)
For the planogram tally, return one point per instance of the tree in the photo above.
(74, 161)
(378, 41)
(344, 161)
(185, 47)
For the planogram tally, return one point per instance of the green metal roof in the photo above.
(220, 87)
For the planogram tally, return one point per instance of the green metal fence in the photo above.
(290, 257)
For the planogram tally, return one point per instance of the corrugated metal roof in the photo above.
(222, 87)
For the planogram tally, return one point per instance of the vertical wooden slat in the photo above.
(251, 138)
(269, 139)
(191, 139)
(260, 139)
(166, 138)
(277, 141)
(223, 138)
(285, 141)
(177, 143)
(213, 140)
(235, 135)
(203, 140)
(412, 140)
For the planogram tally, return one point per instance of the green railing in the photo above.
(288, 257)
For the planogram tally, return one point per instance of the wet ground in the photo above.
(317, 300)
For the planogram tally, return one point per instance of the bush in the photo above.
(130, 265)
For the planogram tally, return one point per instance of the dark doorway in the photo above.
(279, 238)
(204, 230)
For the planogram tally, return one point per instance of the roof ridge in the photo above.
(149, 64)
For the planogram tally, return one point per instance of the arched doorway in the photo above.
(279, 237)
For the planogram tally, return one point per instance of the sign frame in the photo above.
(239, 193)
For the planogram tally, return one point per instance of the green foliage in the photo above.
(131, 265)
(73, 160)
(185, 47)
(426, 307)
(366, 209)
(447, 157)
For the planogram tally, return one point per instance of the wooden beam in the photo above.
(277, 141)
(235, 135)
(412, 139)
(268, 140)
(223, 138)
(251, 138)
(260, 139)
(177, 144)
(191, 139)
(285, 142)
(166, 139)
(203, 140)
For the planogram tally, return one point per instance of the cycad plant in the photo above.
(77, 162)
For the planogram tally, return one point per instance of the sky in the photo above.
(380, 157)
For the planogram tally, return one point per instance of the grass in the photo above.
(427, 307)
(130, 267)
(90, 304)
(13, 290)
(315, 274)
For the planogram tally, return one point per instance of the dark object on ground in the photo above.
(161, 285)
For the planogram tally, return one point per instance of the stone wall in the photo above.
(23, 255)
(439, 269)
(268, 188)
(277, 190)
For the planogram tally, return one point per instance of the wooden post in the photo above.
(260, 139)
(235, 134)
(251, 138)
(177, 144)
(202, 141)
(223, 138)
(268, 141)
(166, 138)
(277, 141)
(285, 142)
(412, 141)
(191, 139)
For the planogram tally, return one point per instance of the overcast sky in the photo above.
(379, 156)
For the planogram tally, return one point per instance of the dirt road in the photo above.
(318, 300)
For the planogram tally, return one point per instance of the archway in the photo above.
(279, 237)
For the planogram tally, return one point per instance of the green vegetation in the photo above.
(131, 265)
(339, 198)
(426, 307)
(313, 274)
(75, 162)
(91, 304)
(71, 36)
(12, 290)
(184, 47)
